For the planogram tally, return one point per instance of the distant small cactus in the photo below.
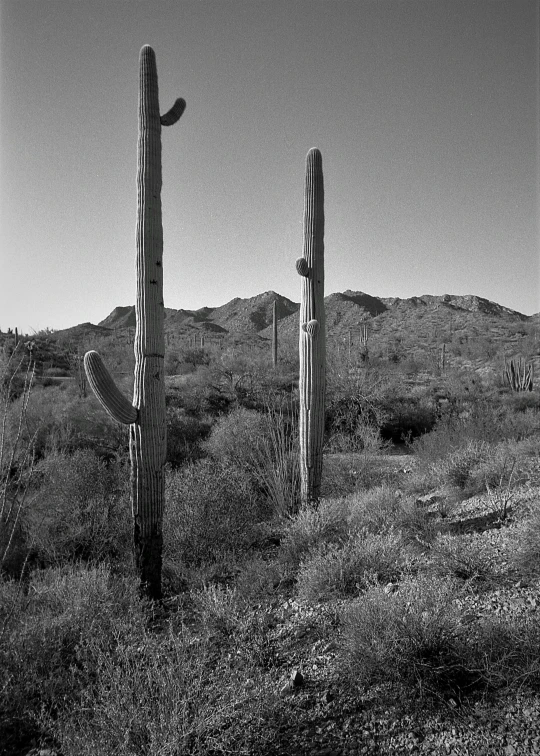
(274, 334)
(519, 374)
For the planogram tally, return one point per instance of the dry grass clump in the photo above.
(325, 523)
(406, 637)
(345, 569)
(463, 558)
(374, 510)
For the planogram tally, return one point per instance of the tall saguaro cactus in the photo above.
(312, 344)
(146, 415)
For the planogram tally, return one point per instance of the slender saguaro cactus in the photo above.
(274, 333)
(312, 346)
(146, 415)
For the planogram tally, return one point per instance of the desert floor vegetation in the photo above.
(398, 615)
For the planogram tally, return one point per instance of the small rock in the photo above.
(390, 588)
(330, 646)
(427, 500)
(286, 689)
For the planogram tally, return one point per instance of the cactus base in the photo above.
(148, 561)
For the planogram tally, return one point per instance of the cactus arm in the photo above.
(106, 391)
(302, 267)
(174, 114)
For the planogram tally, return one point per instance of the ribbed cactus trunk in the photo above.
(312, 343)
(146, 416)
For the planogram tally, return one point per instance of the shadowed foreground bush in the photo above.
(80, 511)
(416, 636)
(211, 510)
(81, 670)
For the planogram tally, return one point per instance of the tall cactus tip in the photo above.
(314, 155)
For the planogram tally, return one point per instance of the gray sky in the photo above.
(426, 114)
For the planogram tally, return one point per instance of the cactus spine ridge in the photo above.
(312, 339)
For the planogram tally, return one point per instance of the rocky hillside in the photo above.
(471, 330)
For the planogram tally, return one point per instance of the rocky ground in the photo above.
(326, 718)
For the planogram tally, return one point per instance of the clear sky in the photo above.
(426, 113)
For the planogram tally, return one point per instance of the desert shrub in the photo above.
(481, 422)
(407, 636)
(257, 578)
(374, 510)
(236, 435)
(265, 446)
(211, 509)
(353, 421)
(17, 456)
(505, 653)
(463, 558)
(218, 609)
(457, 469)
(345, 569)
(79, 509)
(345, 474)
(313, 526)
(526, 542)
(56, 372)
(478, 466)
(51, 641)
(341, 474)
(185, 433)
(417, 528)
(520, 401)
(58, 419)
(168, 693)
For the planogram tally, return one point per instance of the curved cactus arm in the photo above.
(105, 389)
(174, 114)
